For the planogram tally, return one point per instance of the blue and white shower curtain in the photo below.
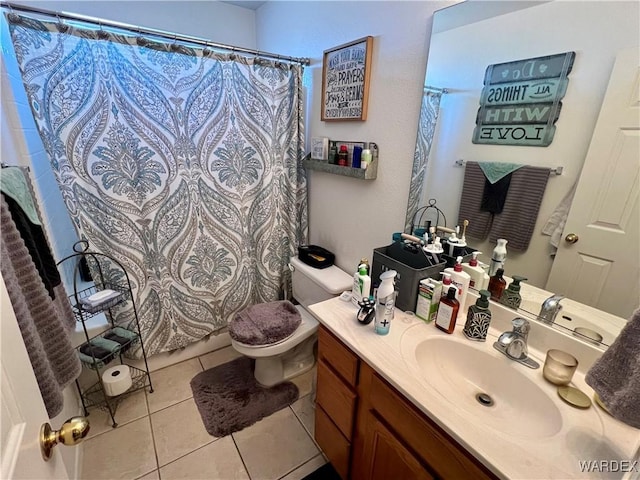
(181, 163)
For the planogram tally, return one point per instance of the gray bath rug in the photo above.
(229, 398)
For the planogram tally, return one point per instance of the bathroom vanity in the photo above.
(403, 405)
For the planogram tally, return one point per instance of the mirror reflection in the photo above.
(590, 254)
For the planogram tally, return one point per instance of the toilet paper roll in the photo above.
(116, 380)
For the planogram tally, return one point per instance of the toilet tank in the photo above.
(312, 285)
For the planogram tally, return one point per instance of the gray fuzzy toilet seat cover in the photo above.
(265, 323)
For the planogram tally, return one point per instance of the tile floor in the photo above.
(160, 435)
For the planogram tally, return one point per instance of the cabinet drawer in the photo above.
(341, 359)
(332, 443)
(434, 446)
(337, 400)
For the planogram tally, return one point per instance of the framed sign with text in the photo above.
(345, 81)
(521, 101)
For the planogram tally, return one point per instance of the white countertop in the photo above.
(585, 435)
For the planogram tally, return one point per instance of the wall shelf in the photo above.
(370, 173)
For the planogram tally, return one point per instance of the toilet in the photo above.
(294, 355)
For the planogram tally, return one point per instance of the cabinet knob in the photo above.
(72, 432)
(571, 238)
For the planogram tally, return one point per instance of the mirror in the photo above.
(466, 39)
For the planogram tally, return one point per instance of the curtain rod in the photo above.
(554, 171)
(435, 89)
(13, 7)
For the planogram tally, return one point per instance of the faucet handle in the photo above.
(521, 326)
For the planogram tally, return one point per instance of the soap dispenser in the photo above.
(478, 318)
(497, 284)
(511, 296)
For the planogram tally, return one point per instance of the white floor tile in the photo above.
(125, 452)
(219, 357)
(309, 467)
(131, 408)
(218, 460)
(178, 430)
(171, 384)
(305, 410)
(275, 446)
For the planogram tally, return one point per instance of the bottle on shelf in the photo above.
(365, 158)
(343, 156)
(333, 153)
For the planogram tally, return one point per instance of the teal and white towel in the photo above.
(494, 171)
(14, 184)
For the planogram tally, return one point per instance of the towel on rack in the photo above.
(616, 375)
(518, 218)
(471, 202)
(555, 225)
(45, 323)
(14, 184)
(521, 205)
(496, 185)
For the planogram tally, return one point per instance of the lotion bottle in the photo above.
(448, 311)
(479, 278)
(460, 280)
(385, 302)
(361, 285)
(498, 257)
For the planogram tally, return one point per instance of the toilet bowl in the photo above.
(294, 355)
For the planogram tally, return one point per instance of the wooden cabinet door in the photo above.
(385, 457)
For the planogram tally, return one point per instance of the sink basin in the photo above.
(496, 391)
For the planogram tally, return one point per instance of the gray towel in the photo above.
(518, 218)
(265, 323)
(471, 202)
(44, 323)
(520, 211)
(616, 375)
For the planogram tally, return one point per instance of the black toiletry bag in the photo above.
(315, 256)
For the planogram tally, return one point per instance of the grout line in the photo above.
(246, 469)
(153, 439)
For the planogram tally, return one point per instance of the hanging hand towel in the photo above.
(616, 375)
(496, 185)
(471, 201)
(518, 218)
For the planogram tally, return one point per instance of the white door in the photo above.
(22, 411)
(602, 268)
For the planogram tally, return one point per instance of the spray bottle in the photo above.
(385, 302)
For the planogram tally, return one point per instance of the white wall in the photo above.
(458, 59)
(348, 216)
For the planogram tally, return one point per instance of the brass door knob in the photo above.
(71, 433)
(571, 238)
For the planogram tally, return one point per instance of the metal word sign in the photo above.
(520, 102)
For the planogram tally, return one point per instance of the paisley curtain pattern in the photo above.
(181, 163)
(426, 129)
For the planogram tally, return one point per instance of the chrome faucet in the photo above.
(514, 343)
(550, 308)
